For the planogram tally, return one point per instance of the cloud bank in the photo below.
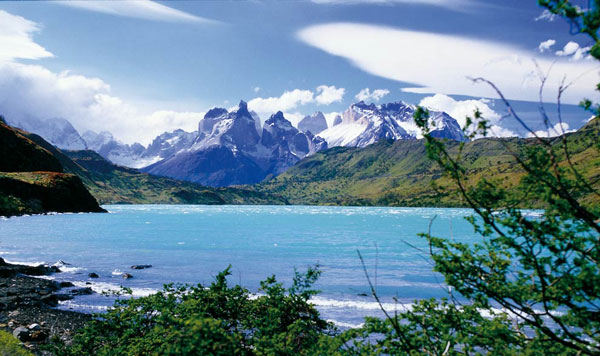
(292, 99)
(439, 63)
(32, 91)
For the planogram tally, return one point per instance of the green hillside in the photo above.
(32, 180)
(399, 173)
(30, 168)
(112, 184)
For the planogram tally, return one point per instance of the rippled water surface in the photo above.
(191, 244)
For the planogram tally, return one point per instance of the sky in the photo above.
(139, 68)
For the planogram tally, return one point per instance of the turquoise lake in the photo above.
(192, 243)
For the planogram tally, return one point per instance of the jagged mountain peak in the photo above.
(243, 107)
(314, 123)
(279, 121)
(215, 112)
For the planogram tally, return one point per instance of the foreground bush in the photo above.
(214, 320)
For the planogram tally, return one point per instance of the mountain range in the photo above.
(400, 173)
(36, 177)
(234, 147)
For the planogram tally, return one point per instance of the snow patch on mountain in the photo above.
(58, 132)
(364, 124)
(342, 135)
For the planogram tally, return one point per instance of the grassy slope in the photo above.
(400, 173)
(110, 183)
(32, 179)
(41, 192)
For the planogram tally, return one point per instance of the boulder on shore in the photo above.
(140, 266)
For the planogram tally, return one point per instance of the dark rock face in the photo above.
(215, 166)
(286, 144)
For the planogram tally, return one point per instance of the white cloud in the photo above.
(582, 53)
(545, 46)
(367, 95)
(16, 39)
(287, 101)
(439, 63)
(569, 49)
(461, 109)
(574, 51)
(329, 94)
(556, 130)
(256, 89)
(143, 9)
(292, 99)
(34, 91)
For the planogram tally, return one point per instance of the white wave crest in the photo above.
(357, 304)
(69, 304)
(100, 287)
(345, 325)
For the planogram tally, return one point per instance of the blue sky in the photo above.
(159, 67)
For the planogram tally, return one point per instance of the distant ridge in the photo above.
(399, 173)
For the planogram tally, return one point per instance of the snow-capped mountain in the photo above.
(364, 124)
(58, 132)
(115, 151)
(166, 145)
(229, 150)
(286, 144)
(232, 147)
(314, 123)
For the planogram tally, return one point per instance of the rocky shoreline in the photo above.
(28, 301)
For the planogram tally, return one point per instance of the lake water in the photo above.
(191, 244)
